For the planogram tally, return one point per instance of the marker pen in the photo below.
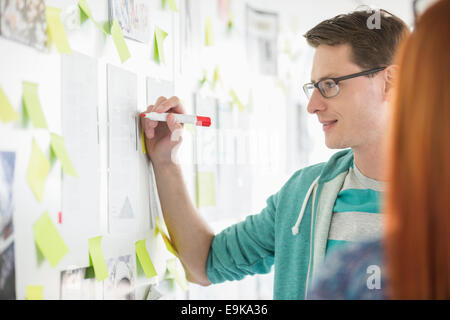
(182, 118)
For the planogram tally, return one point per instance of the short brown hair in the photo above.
(371, 48)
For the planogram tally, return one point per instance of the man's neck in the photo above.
(370, 161)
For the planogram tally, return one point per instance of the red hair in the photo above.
(417, 205)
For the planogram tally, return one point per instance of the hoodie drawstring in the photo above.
(305, 202)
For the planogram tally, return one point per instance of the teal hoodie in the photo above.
(291, 232)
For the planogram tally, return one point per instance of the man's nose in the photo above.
(316, 102)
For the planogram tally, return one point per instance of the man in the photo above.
(321, 206)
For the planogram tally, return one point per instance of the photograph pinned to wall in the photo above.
(132, 16)
(80, 284)
(24, 21)
(120, 284)
(262, 45)
(7, 266)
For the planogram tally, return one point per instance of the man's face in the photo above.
(356, 116)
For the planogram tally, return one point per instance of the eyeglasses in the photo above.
(329, 88)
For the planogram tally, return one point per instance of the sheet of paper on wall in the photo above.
(262, 39)
(124, 151)
(77, 284)
(38, 170)
(79, 114)
(56, 32)
(24, 21)
(155, 89)
(121, 281)
(48, 240)
(32, 106)
(7, 112)
(132, 17)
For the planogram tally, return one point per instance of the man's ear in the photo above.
(390, 75)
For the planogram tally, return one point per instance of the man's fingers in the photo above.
(159, 101)
(172, 123)
(171, 103)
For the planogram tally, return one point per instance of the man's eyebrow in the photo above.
(328, 76)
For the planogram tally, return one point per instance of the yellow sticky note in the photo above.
(206, 191)
(144, 148)
(56, 30)
(119, 41)
(173, 5)
(173, 270)
(97, 259)
(7, 112)
(49, 240)
(32, 105)
(160, 35)
(37, 171)
(34, 292)
(209, 33)
(144, 259)
(235, 100)
(57, 144)
(166, 239)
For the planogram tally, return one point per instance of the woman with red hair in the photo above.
(412, 261)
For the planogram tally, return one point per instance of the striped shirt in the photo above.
(356, 213)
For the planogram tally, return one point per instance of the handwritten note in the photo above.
(32, 105)
(160, 35)
(144, 259)
(119, 41)
(206, 191)
(7, 112)
(49, 240)
(37, 171)
(56, 30)
(97, 259)
(57, 144)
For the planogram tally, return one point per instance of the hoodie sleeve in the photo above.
(244, 248)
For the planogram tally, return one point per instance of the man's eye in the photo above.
(329, 84)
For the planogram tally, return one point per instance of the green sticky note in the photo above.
(34, 293)
(209, 34)
(37, 171)
(7, 112)
(119, 41)
(235, 100)
(57, 144)
(49, 240)
(206, 191)
(173, 271)
(144, 259)
(86, 13)
(32, 105)
(56, 30)
(173, 5)
(96, 258)
(160, 35)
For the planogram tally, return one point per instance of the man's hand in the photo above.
(162, 138)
